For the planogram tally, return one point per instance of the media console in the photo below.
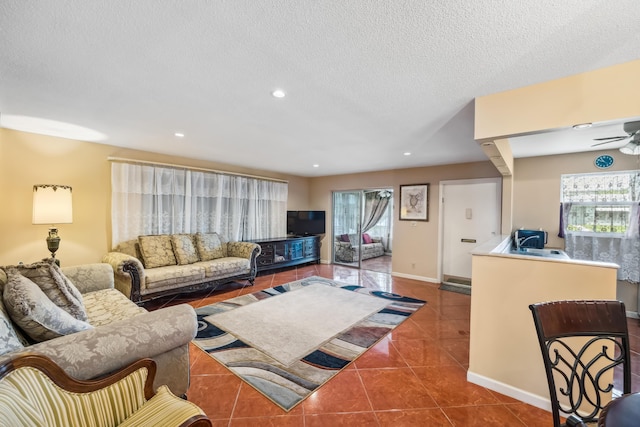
(287, 251)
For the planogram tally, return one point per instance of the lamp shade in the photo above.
(52, 204)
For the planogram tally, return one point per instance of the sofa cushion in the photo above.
(34, 312)
(366, 239)
(173, 275)
(9, 340)
(184, 248)
(109, 305)
(55, 285)
(156, 251)
(225, 267)
(344, 238)
(210, 246)
(129, 247)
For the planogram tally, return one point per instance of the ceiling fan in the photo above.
(633, 133)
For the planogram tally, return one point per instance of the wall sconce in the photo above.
(52, 205)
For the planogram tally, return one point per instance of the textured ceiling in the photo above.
(365, 80)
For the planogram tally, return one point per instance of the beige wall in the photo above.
(411, 245)
(27, 159)
(536, 197)
(504, 353)
(610, 93)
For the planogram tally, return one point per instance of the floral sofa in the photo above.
(76, 317)
(346, 247)
(156, 265)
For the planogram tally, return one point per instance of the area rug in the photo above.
(288, 340)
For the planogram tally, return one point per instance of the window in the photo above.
(157, 199)
(599, 203)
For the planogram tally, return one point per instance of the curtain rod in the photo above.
(144, 162)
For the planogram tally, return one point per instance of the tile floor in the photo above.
(416, 376)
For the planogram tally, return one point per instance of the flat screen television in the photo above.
(305, 223)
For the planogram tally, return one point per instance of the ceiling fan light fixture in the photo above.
(582, 126)
(632, 148)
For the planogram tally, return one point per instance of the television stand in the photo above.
(281, 252)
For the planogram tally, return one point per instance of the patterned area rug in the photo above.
(311, 332)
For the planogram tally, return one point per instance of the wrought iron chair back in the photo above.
(582, 341)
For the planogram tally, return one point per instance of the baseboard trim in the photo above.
(414, 277)
(633, 315)
(508, 390)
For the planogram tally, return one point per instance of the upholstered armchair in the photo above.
(34, 391)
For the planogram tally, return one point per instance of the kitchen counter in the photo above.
(501, 246)
(504, 354)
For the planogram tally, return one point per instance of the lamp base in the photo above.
(53, 243)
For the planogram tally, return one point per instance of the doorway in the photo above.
(470, 216)
(363, 229)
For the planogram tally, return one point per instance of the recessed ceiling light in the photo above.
(50, 127)
(179, 134)
(582, 126)
(406, 153)
(316, 165)
(278, 93)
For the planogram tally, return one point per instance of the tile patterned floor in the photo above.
(416, 376)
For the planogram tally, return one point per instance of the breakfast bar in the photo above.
(504, 351)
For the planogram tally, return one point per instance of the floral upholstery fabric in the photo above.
(162, 335)
(241, 249)
(90, 277)
(174, 275)
(121, 278)
(348, 252)
(139, 282)
(184, 248)
(157, 251)
(130, 247)
(210, 246)
(55, 285)
(109, 305)
(159, 334)
(224, 267)
(34, 312)
(9, 340)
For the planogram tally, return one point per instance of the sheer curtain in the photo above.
(149, 199)
(582, 196)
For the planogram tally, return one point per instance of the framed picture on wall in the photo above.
(414, 202)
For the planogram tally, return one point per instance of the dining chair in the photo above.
(582, 342)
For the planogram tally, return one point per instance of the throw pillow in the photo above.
(184, 248)
(56, 286)
(366, 239)
(210, 246)
(9, 340)
(156, 251)
(344, 238)
(34, 312)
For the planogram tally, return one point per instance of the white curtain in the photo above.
(619, 250)
(148, 199)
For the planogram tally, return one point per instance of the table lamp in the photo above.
(52, 205)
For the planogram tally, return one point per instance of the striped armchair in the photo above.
(34, 391)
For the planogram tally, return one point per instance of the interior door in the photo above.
(347, 214)
(471, 213)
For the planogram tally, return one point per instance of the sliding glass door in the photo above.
(347, 212)
(362, 228)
